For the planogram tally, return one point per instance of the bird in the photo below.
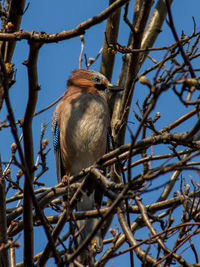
(80, 125)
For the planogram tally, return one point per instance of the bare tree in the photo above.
(140, 189)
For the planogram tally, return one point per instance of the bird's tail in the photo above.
(87, 226)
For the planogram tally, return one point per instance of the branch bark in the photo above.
(16, 12)
(54, 38)
(112, 29)
(3, 221)
(28, 151)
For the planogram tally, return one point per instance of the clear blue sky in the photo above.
(56, 61)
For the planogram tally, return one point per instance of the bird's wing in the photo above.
(109, 140)
(56, 145)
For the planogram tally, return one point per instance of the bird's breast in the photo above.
(85, 130)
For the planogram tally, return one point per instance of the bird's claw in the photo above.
(65, 179)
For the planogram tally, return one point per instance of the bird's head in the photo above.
(91, 79)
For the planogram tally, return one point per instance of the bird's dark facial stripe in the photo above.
(101, 86)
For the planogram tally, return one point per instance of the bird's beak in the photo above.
(113, 87)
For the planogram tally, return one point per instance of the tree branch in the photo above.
(54, 38)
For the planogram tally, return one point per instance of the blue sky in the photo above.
(56, 61)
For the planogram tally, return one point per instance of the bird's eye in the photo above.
(97, 79)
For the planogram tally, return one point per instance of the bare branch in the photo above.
(54, 38)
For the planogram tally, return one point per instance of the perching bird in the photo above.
(80, 127)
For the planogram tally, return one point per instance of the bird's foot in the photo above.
(65, 179)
